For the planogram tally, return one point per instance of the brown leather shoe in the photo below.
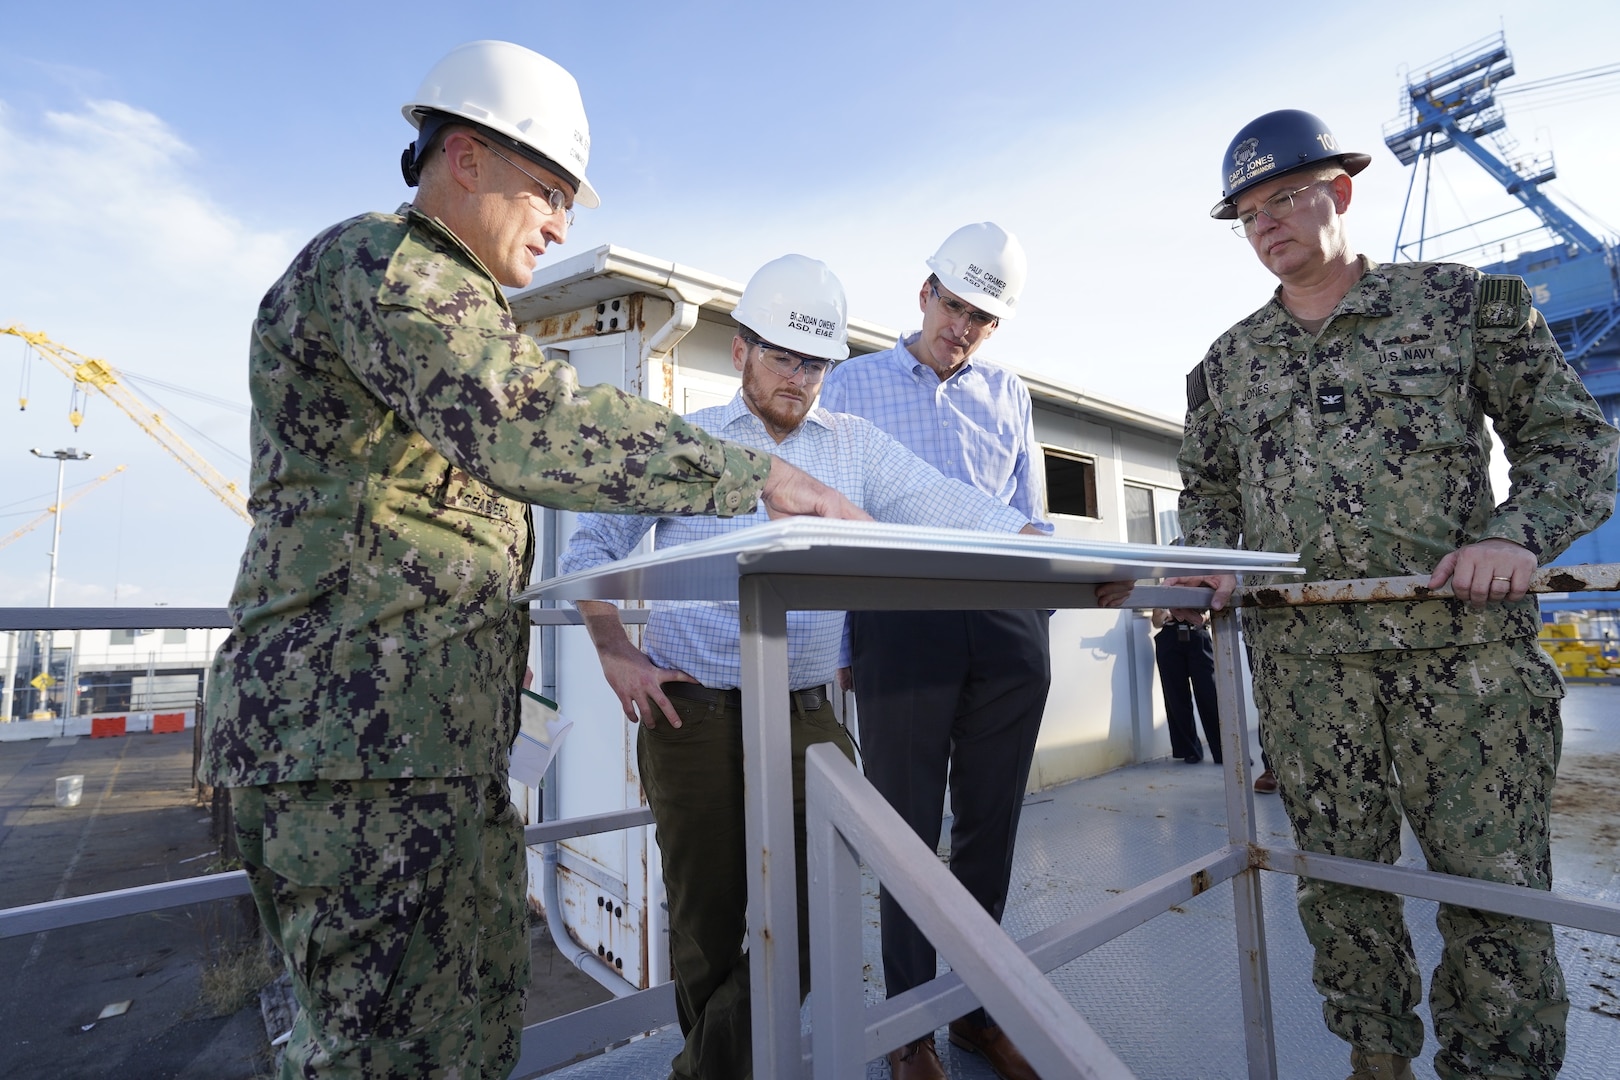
(998, 1050)
(1266, 783)
(916, 1061)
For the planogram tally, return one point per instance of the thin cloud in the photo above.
(115, 249)
(110, 184)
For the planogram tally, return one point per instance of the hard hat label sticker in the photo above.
(810, 324)
(980, 278)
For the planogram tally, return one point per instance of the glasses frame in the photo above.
(776, 358)
(556, 197)
(1244, 225)
(956, 309)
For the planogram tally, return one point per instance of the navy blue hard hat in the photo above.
(1277, 143)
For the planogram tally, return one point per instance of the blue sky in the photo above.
(160, 164)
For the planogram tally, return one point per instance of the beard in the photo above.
(772, 399)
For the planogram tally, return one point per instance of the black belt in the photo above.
(809, 699)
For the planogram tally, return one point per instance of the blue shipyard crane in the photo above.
(1575, 277)
(1573, 274)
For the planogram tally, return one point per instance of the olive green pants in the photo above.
(693, 776)
(398, 906)
(1464, 742)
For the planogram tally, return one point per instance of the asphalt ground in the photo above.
(139, 822)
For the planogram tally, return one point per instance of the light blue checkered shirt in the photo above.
(976, 426)
(872, 470)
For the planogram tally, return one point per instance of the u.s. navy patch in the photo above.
(1197, 388)
(1501, 302)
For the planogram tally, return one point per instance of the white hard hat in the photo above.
(983, 264)
(796, 303)
(516, 93)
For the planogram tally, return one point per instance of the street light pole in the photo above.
(62, 458)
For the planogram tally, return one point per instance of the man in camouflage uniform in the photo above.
(1345, 420)
(362, 708)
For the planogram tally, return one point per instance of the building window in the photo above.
(1071, 484)
(174, 636)
(121, 637)
(1141, 526)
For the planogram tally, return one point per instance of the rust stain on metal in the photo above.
(564, 326)
(1259, 857)
(1201, 882)
(1598, 577)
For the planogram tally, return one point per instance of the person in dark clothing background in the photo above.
(1186, 658)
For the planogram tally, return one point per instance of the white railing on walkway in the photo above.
(848, 822)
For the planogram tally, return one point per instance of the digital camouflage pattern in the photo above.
(1473, 733)
(393, 902)
(401, 424)
(1364, 448)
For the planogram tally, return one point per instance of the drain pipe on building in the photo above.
(577, 954)
(688, 299)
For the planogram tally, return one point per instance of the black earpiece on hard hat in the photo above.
(408, 166)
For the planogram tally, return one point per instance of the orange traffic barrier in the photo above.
(168, 721)
(103, 726)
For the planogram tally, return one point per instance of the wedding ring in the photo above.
(1500, 578)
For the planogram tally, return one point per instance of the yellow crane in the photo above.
(88, 372)
(67, 502)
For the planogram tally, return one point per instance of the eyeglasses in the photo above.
(956, 310)
(787, 363)
(1276, 208)
(555, 197)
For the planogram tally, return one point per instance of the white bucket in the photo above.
(69, 789)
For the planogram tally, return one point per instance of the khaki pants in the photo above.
(399, 908)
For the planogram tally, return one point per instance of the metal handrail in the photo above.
(848, 821)
(545, 1045)
(116, 903)
(846, 816)
(207, 618)
(1591, 577)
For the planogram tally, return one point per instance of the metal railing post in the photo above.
(773, 930)
(1254, 979)
(837, 1004)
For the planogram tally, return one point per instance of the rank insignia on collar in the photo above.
(1330, 399)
